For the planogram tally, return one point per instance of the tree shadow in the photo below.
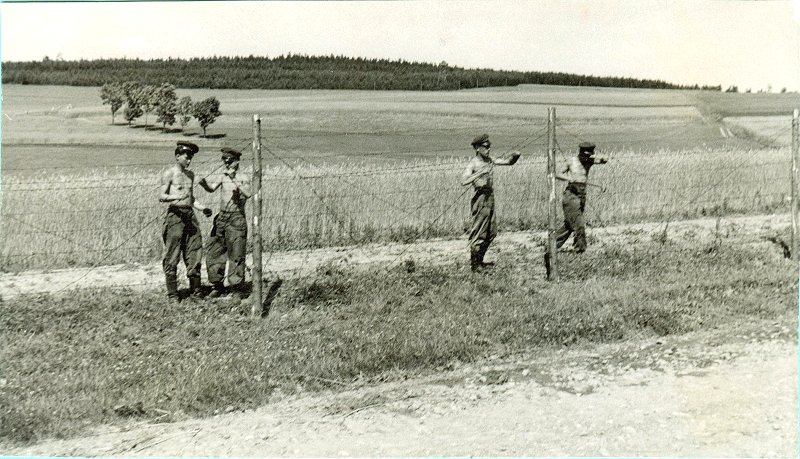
(171, 130)
(189, 134)
(214, 136)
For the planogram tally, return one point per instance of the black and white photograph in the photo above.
(411, 228)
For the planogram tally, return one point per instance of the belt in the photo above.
(576, 187)
(180, 210)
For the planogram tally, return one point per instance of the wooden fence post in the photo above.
(795, 183)
(256, 308)
(551, 256)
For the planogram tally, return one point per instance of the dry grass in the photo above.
(374, 165)
(89, 357)
(105, 217)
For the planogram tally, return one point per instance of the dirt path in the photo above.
(709, 394)
(299, 263)
(688, 396)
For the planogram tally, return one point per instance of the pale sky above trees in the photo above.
(750, 44)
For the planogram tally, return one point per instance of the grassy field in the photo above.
(74, 220)
(347, 167)
(350, 167)
(89, 357)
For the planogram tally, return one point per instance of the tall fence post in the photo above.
(795, 182)
(256, 308)
(551, 257)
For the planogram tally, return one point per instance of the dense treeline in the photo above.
(296, 72)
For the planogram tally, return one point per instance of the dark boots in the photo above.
(217, 290)
(476, 262)
(172, 288)
(238, 290)
(195, 290)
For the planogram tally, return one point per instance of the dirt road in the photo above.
(688, 396)
(710, 394)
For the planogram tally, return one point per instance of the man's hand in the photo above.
(207, 212)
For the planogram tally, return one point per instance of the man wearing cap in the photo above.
(479, 174)
(181, 232)
(574, 202)
(228, 239)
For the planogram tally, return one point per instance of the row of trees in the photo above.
(299, 72)
(160, 100)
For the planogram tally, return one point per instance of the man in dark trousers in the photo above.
(479, 174)
(574, 202)
(228, 240)
(181, 232)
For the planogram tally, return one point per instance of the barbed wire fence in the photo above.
(318, 211)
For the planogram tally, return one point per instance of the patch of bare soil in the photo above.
(705, 395)
(304, 262)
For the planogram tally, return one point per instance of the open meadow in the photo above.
(348, 167)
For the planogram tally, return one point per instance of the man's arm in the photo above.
(469, 175)
(209, 185)
(166, 183)
(507, 161)
(206, 210)
(561, 176)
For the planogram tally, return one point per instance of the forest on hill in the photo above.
(297, 72)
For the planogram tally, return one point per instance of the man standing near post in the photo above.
(574, 202)
(228, 239)
(181, 232)
(479, 175)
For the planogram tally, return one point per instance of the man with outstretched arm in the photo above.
(576, 174)
(181, 232)
(479, 174)
(228, 240)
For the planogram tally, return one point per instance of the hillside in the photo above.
(297, 72)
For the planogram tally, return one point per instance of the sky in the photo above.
(751, 44)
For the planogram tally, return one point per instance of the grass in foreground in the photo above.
(86, 358)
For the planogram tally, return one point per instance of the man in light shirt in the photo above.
(576, 175)
(479, 174)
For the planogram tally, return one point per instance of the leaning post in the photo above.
(551, 257)
(256, 308)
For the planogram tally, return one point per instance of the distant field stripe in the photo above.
(556, 103)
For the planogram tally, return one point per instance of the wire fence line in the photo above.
(310, 204)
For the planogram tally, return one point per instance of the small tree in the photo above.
(132, 91)
(167, 104)
(206, 112)
(148, 100)
(185, 108)
(111, 94)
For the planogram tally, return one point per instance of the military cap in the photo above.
(230, 153)
(186, 147)
(586, 146)
(481, 140)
